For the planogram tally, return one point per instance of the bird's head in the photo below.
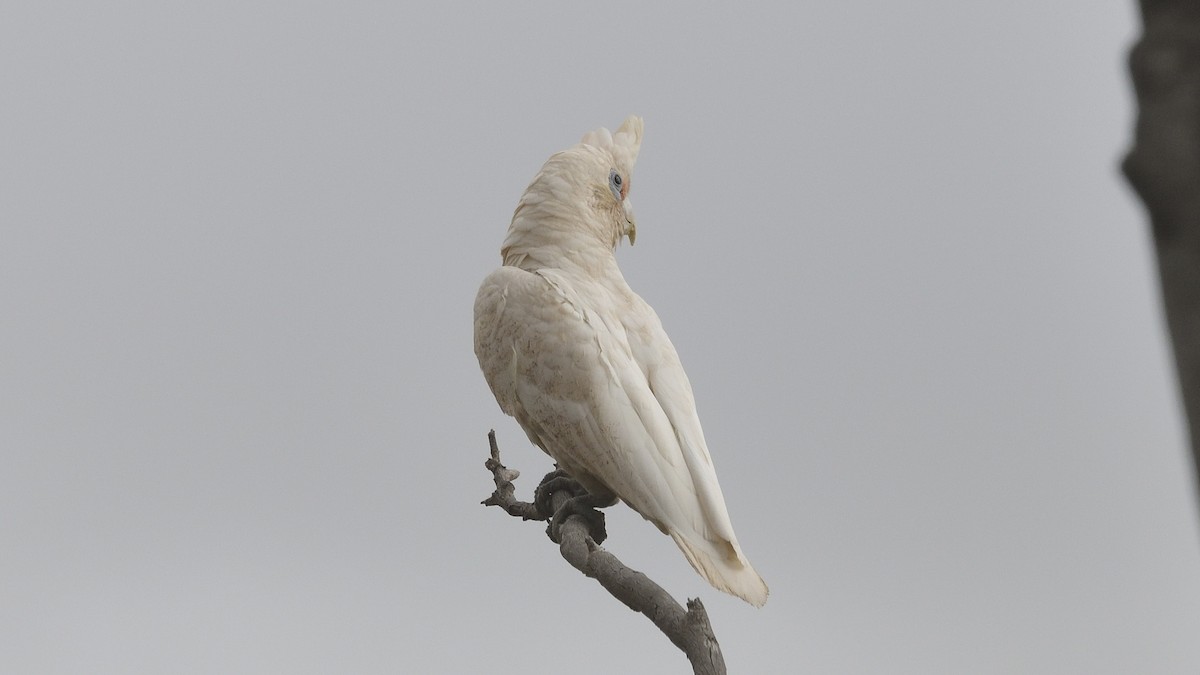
(620, 150)
(582, 191)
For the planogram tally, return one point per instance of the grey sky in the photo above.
(242, 428)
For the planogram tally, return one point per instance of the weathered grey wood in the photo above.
(689, 629)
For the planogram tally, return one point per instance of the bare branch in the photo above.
(689, 629)
(504, 496)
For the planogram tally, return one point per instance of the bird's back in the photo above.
(586, 368)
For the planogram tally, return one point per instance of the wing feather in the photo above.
(597, 384)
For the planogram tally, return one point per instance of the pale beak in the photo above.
(630, 223)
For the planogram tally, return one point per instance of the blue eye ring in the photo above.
(615, 183)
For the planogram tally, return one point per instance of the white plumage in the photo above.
(585, 367)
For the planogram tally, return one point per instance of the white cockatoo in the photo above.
(585, 366)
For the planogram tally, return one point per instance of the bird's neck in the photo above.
(561, 241)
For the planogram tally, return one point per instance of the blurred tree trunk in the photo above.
(1164, 168)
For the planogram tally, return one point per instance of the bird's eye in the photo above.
(615, 183)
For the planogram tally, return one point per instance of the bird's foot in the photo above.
(583, 506)
(555, 481)
(579, 503)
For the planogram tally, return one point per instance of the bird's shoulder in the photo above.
(531, 296)
(561, 293)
